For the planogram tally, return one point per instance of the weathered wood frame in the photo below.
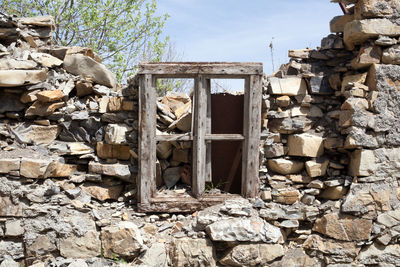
(202, 73)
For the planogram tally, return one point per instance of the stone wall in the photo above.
(329, 171)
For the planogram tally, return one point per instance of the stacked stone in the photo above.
(68, 142)
(331, 120)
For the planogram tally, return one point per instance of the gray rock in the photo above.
(296, 257)
(12, 104)
(155, 256)
(391, 55)
(192, 252)
(14, 228)
(13, 249)
(244, 229)
(171, 176)
(252, 255)
(78, 263)
(378, 254)
(9, 262)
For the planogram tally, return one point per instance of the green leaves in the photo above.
(122, 32)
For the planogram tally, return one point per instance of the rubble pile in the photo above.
(174, 116)
(330, 154)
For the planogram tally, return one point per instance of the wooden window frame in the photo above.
(202, 73)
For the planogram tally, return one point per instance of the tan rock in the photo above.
(57, 170)
(354, 103)
(184, 123)
(283, 101)
(10, 209)
(29, 97)
(13, 78)
(315, 169)
(33, 168)
(367, 56)
(338, 251)
(128, 105)
(286, 196)
(181, 155)
(338, 23)
(334, 193)
(362, 163)
(83, 88)
(358, 31)
(41, 245)
(85, 66)
(9, 165)
(103, 104)
(43, 109)
(300, 53)
(103, 192)
(312, 112)
(115, 104)
(41, 135)
(14, 64)
(266, 195)
(186, 108)
(376, 8)
(305, 145)
(50, 96)
(344, 228)
(41, 21)
(111, 151)
(175, 100)
(122, 240)
(351, 80)
(46, 60)
(285, 166)
(76, 148)
(252, 255)
(289, 86)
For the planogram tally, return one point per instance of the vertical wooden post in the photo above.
(251, 132)
(147, 139)
(208, 131)
(199, 131)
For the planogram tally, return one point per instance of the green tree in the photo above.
(122, 32)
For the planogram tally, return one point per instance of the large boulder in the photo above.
(121, 240)
(85, 66)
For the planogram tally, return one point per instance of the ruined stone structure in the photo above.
(329, 158)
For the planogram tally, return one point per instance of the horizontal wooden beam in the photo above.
(224, 137)
(184, 203)
(175, 137)
(205, 68)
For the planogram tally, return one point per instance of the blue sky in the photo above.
(237, 30)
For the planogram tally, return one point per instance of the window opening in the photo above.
(189, 149)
